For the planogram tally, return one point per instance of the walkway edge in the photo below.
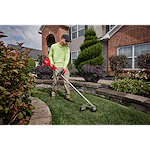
(42, 114)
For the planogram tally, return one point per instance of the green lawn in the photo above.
(108, 112)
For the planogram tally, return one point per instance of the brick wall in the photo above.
(127, 35)
(56, 30)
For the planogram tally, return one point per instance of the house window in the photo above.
(77, 31)
(132, 52)
(109, 27)
(74, 56)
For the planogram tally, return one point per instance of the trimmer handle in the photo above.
(60, 73)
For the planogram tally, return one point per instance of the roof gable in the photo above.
(44, 24)
(111, 32)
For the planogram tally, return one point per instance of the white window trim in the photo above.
(77, 55)
(77, 31)
(133, 57)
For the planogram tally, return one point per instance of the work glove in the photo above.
(52, 66)
(61, 72)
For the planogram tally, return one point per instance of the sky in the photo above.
(27, 34)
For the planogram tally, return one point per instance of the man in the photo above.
(59, 56)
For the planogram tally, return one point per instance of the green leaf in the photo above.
(2, 102)
(30, 112)
(6, 109)
(1, 108)
(15, 70)
(1, 71)
(19, 93)
(25, 122)
(24, 113)
(2, 88)
(20, 115)
(18, 102)
(7, 101)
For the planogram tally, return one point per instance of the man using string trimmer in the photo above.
(61, 50)
(59, 56)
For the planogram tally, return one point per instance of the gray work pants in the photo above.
(55, 82)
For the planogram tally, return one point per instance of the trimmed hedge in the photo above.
(90, 51)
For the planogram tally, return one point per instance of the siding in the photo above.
(76, 43)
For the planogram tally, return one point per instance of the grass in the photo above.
(108, 112)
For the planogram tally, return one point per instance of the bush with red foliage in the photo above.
(15, 85)
(143, 61)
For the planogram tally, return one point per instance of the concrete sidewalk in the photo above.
(101, 81)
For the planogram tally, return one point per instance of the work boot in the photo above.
(69, 99)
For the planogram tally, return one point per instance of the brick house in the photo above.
(129, 40)
(52, 34)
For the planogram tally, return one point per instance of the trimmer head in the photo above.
(86, 106)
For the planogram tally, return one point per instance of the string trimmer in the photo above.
(46, 61)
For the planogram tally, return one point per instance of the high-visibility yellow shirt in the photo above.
(59, 55)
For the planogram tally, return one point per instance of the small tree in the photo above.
(143, 61)
(90, 51)
(117, 63)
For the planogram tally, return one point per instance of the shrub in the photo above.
(90, 32)
(31, 65)
(70, 66)
(92, 73)
(137, 75)
(143, 61)
(39, 59)
(90, 51)
(132, 86)
(15, 85)
(43, 72)
(117, 63)
(88, 43)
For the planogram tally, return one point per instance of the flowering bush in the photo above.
(117, 63)
(43, 72)
(143, 61)
(92, 73)
(138, 75)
